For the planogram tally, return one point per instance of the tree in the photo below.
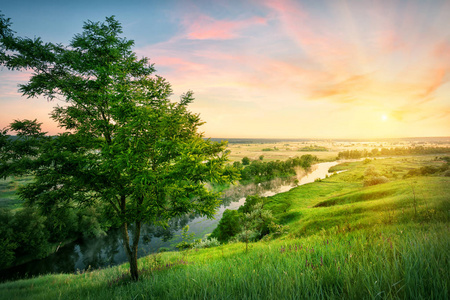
(229, 225)
(8, 245)
(125, 145)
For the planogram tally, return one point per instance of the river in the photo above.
(102, 252)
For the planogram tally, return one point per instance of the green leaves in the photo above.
(127, 145)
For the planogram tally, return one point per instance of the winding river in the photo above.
(102, 252)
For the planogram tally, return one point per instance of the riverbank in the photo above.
(345, 240)
(106, 251)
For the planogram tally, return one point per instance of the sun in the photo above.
(384, 117)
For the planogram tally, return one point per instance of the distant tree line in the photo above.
(313, 148)
(444, 169)
(257, 171)
(356, 154)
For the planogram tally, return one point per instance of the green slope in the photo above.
(345, 241)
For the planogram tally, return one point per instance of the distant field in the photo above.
(282, 150)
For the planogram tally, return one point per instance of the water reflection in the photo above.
(108, 250)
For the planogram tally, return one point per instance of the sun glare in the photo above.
(384, 117)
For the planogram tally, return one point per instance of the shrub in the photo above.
(228, 226)
(186, 239)
(250, 202)
(371, 171)
(30, 233)
(62, 222)
(237, 165)
(246, 236)
(90, 222)
(207, 242)
(428, 170)
(366, 161)
(8, 244)
(278, 229)
(375, 180)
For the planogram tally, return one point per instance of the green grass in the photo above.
(345, 241)
(8, 190)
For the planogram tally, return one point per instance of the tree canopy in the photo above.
(124, 143)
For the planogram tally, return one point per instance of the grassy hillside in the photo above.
(345, 241)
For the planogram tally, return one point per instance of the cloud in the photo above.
(390, 41)
(9, 81)
(435, 80)
(297, 23)
(345, 91)
(204, 27)
(442, 51)
(309, 58)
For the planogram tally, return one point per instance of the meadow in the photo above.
(346, 240)
(325, 150)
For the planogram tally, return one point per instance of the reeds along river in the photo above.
(101, 252)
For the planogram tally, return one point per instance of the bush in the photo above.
(207, 242)
(371, 171)
(8, 242)
(30, 233)
(250, 202)
(228, 226)
(90, 222)
(249, 223)
(62, 222)
(187, 237)
(247, 236)
(375, 180)
(278, 229)
(366, 161)
(428, 170)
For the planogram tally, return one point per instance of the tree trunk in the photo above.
(131, 250)
(133, 266)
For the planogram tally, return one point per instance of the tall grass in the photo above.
(407, 262)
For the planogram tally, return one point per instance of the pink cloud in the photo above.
(9, 81)
(300, 26)
(435, 80)
(322, 42)
(441, 51)
(345, 91)
(205, 27)
(390, 41)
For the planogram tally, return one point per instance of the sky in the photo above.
(271, 68)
